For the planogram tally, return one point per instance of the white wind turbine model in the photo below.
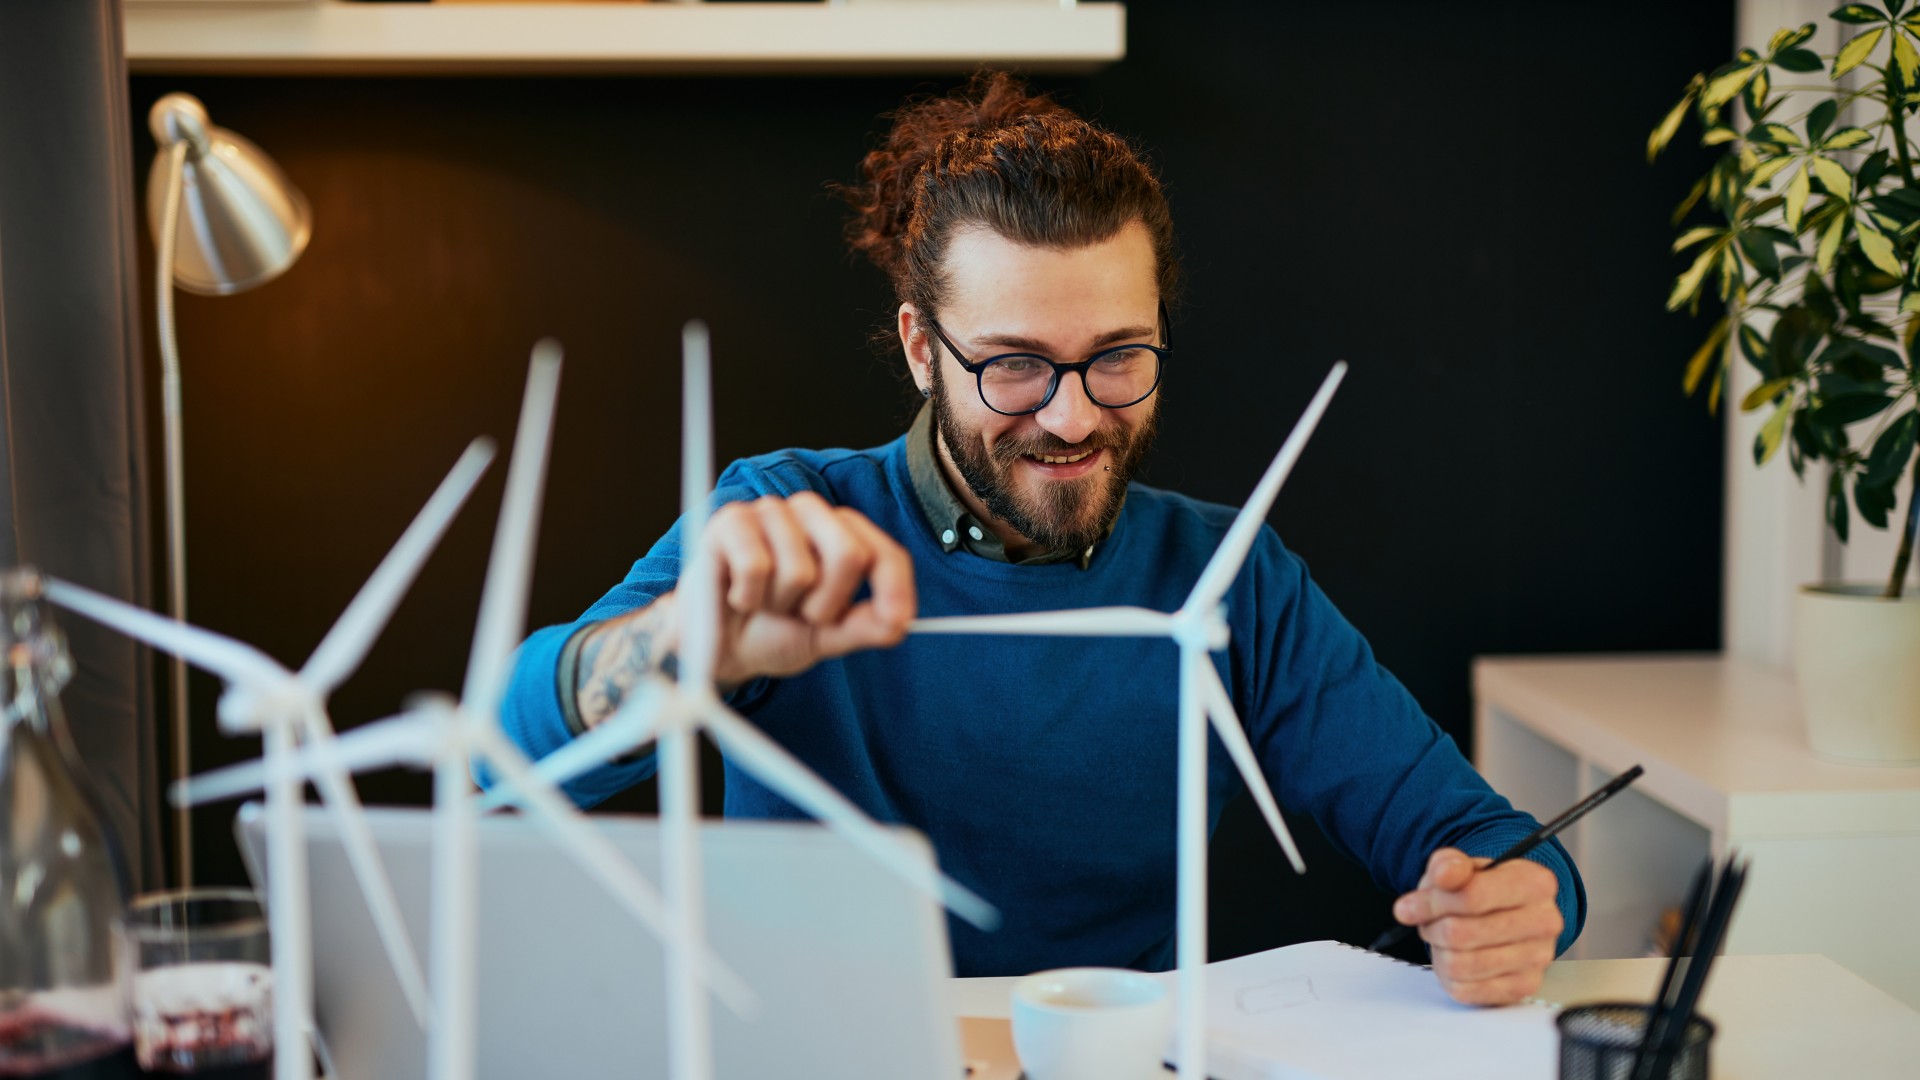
(449, 734)
(1198, 627)
(264, 698)
(673, 712)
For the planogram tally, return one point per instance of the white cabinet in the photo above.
(1835, 847)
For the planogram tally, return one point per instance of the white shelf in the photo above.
(1835, 847)
(334, 37)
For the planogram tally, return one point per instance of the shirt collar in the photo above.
(954, 527)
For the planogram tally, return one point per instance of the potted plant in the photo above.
(1813, 251)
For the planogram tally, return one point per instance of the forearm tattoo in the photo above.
(613, 659)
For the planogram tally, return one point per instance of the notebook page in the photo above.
(1328, 1011)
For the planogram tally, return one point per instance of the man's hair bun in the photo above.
(994, 153)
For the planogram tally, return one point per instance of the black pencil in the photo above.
(1539, 836)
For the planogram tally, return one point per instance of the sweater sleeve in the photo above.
(1342, 740)
(532, 710)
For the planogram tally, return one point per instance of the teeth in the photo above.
(1051, 460)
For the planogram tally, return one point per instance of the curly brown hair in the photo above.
(994, 153)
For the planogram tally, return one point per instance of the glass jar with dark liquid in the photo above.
(65, 964)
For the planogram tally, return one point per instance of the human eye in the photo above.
(1017, 367)
(1122, 359)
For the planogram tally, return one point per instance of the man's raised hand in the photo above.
(789, 571)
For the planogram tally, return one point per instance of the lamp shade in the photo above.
(241, 222)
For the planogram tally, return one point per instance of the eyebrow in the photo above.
(1027, 344)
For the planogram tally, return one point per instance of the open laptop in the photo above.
(849, 963)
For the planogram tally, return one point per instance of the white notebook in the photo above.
(1328, 1011)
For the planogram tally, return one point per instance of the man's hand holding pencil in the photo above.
(1492, 928)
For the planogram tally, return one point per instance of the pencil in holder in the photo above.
(1598, 1042)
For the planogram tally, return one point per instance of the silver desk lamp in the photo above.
(225, 218)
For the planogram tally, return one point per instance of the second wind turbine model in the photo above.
(1199, 627)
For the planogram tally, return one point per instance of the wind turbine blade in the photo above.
(337, 791)
(1218, 577)
(341, 651)
(597, 855)
(698, 588)
(407, 739)
(234, 661)
(767, 760)
(1219, 706)
(632, 726)
(503, 601)
(1087, 622)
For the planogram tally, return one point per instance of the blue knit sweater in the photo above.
(1042, 769)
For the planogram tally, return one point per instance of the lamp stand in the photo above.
(176, 498)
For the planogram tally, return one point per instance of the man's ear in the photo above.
(916, 340)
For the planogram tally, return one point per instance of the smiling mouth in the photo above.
(1055, 459)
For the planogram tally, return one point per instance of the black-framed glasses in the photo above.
(1015, 384)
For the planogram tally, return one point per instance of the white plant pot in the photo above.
(1857, 655)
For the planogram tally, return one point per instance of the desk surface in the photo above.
(1786, 1017)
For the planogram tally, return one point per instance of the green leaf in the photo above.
(1756, 350)
(1858, 14)
(1910, 303)
(1872, 327)
(1697, 366)
(1851, 57)
(1718, 136)
(1821, 118)
(1846, 139)
(1795, 333)
(1695, 235)
(1797, 60)
(1663, 134)
(1906, 62)
(1874, 501)
(1892, 450)
(1724, 88)
(1770, 168)
(1784, 38)
(1687, 204)
(1764, 393)
(1830, 243)
(1878, 249)
(1757, 93)
(1797, 190)
(1767, 443)
(1687, 286)
(1778, 134)
(1851, 409)
(1730, 275)
(1874, 168)
(1759, 252)
(1834, 385)
(1878, 354)
(1837, 515)
(1833, 176)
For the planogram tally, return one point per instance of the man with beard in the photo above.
(1032, 253)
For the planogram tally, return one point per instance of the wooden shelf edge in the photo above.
(333, 37)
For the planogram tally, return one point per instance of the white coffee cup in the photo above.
(1091, 1024)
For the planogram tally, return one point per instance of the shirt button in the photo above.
(974, 531)
(947, 537)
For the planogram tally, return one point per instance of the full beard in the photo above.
(1067, 516)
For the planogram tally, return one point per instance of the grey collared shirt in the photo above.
(954, 526)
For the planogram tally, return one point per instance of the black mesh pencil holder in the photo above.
(1597, 1042)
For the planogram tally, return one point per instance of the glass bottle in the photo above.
(65, 964)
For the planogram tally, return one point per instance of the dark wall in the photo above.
(1452, 197)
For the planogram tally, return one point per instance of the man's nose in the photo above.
(1071, 416)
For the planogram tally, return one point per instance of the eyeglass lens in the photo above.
(1116, 378)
